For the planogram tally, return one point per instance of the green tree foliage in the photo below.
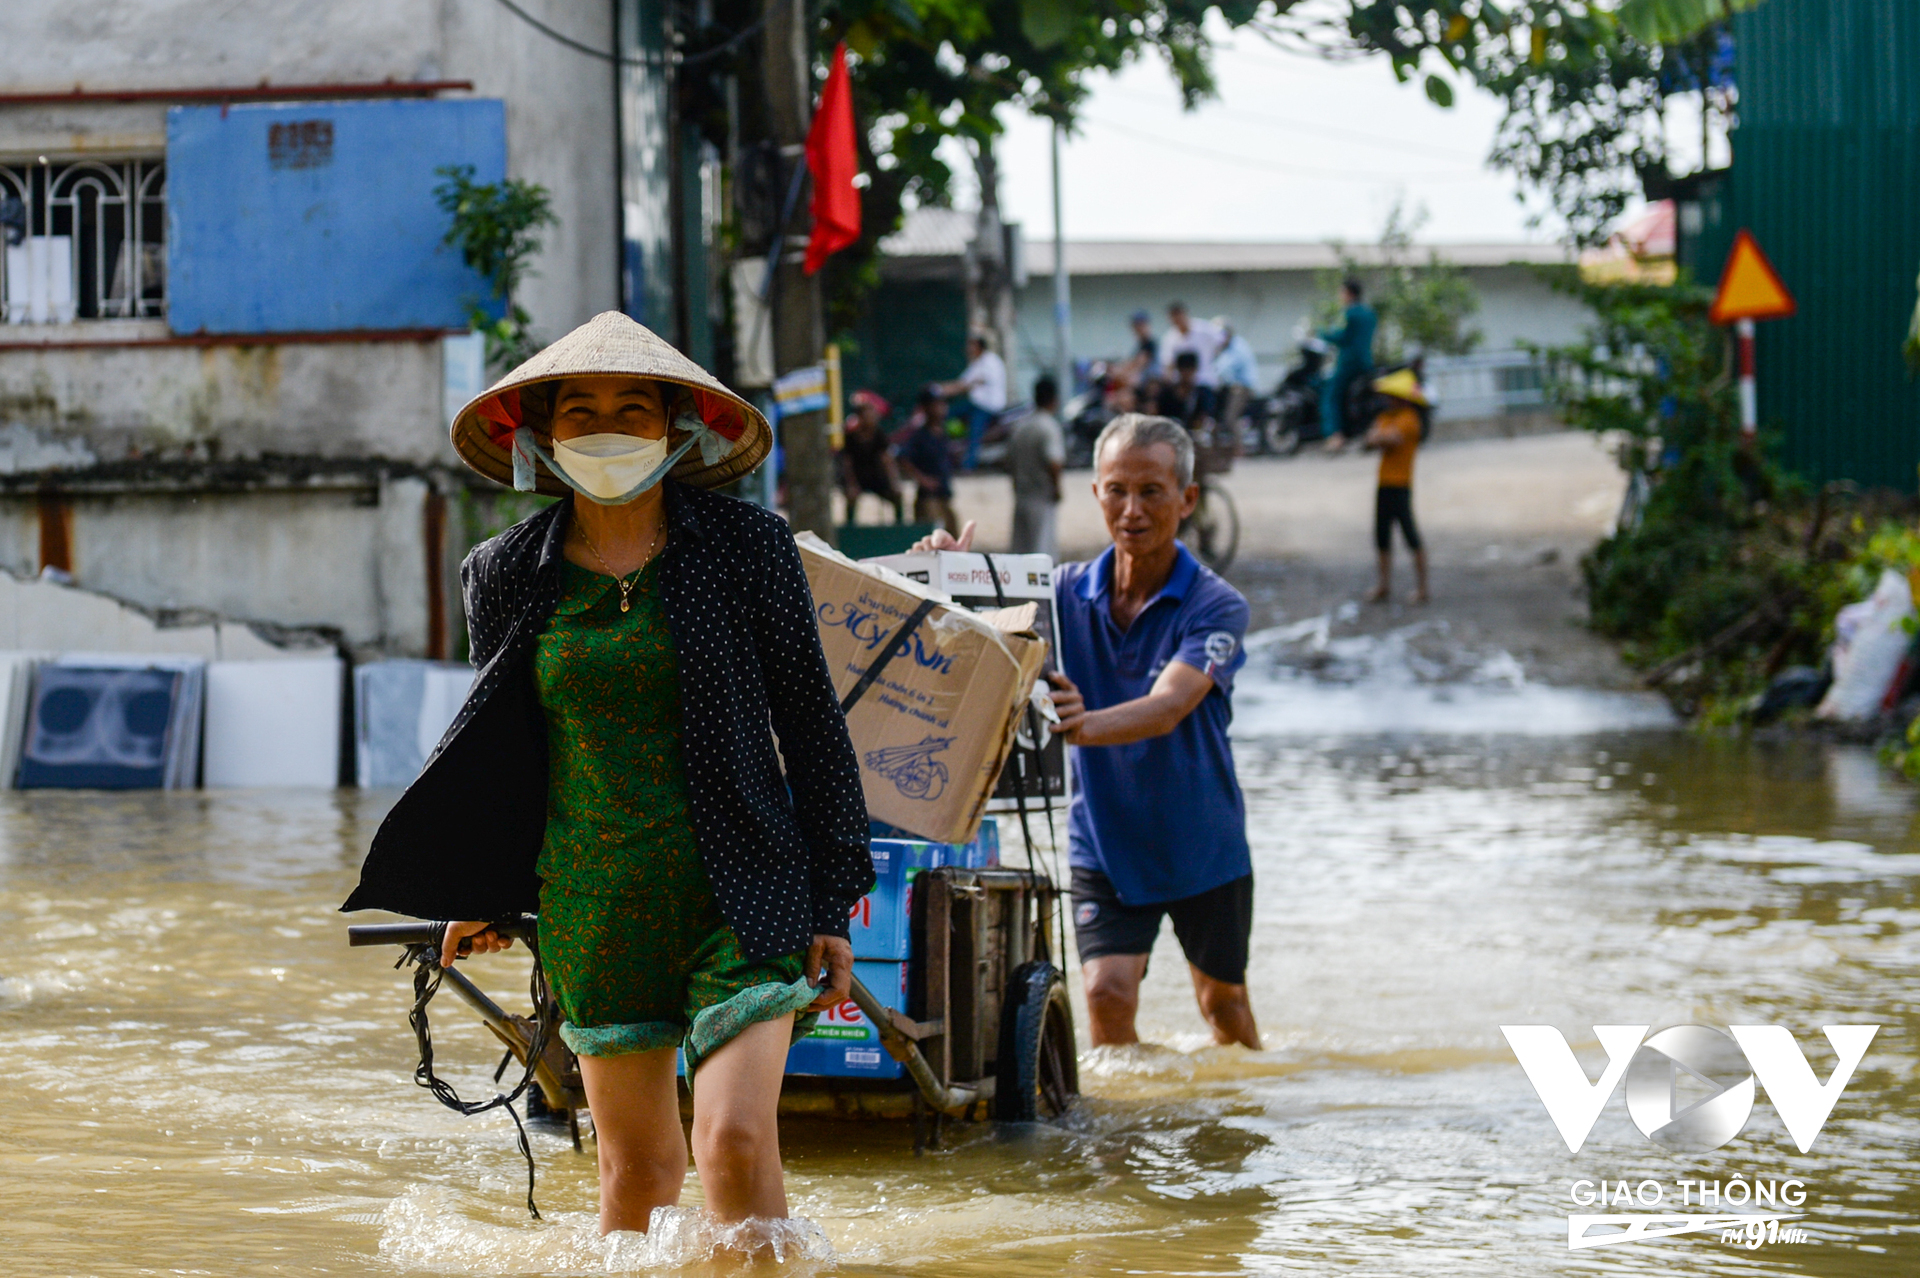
(1581, 79)
(496, 226)
(1723, 568)
(925, 71)
(1911, 347)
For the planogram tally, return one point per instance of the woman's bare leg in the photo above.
(636, 1125)
(736, 1123)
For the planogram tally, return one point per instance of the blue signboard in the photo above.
(320, 216)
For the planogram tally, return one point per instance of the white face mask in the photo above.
(610, 467)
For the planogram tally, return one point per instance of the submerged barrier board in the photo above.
(16, 698)
(401, 710)
(108, 722)
(273, 723)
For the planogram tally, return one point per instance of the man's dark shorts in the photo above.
(1213, 928)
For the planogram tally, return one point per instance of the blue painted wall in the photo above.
(320, 216)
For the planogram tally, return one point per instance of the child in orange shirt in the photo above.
(1396, 433)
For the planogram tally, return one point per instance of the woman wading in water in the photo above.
(639, 644)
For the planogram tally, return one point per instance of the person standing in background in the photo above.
(1036, 451)
(1184, 399)
(924, 456)
(1189, 334)
(1144, 364)
(1396, 433)
(866, 458)
(1236, 372)
(984, 383)
(1354, 342)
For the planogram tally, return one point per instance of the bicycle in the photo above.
(1212, 531)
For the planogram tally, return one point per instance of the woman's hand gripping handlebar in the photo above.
(830, 970)
(472, 936)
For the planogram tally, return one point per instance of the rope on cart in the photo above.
(893, 647)
(1046, 796)
(427, 975)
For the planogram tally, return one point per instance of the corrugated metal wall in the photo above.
(1826, 175)
(911, 332)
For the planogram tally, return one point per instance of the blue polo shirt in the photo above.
(1162, 818)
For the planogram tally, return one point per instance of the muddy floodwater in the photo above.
(200, 1078)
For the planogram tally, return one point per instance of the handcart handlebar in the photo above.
(429, 932)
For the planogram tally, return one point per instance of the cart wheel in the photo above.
(1038, 1075)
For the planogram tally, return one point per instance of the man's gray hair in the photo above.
(1138, 430)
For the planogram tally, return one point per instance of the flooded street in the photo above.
(203, 1079)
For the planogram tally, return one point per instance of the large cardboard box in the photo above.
(935, 727)
(1039, 775)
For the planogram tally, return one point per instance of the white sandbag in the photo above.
(273, 723)
(1869, 645)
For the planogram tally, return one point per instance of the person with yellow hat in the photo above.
(615, 769)
(1396, 433)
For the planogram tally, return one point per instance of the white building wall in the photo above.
(356, 561)
(560, 102)
(352, 560)
(114, 403)
(1272, 309)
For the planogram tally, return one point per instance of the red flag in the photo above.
(833, 161)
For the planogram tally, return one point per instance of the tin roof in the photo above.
(931, 233)
(944, 233)
(1158, 257)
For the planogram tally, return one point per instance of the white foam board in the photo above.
(273, 723)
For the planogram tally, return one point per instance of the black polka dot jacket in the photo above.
(787, 851)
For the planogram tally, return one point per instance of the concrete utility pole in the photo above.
(798, 330)
(1062, 290)
(989, 273)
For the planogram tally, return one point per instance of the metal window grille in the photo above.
(83, 240)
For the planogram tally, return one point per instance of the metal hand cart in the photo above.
(988, 1032)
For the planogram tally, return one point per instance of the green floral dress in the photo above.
(633, 942)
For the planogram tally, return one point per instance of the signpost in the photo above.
(1750, 289)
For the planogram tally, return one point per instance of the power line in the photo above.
(572, 43)
(1330, 130)
(656, 60)
(1297, 170)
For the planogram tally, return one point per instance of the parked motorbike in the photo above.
(1085, 416)
(1282, 423)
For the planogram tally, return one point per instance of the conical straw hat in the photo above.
(609, 344)
(1402, 384)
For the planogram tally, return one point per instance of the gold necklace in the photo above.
(626, 587)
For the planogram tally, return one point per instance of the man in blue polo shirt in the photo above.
(1150, 640)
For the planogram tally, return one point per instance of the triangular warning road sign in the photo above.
(1749, 287)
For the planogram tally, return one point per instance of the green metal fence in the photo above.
(1826, 175)
(911, 333)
